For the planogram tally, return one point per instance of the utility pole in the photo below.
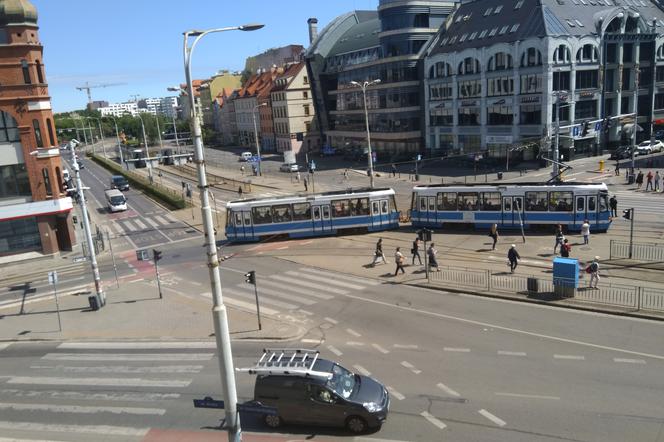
(636, 119)
(156, 256)
(629, 214)
(556, 152)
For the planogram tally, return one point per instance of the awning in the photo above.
(629, 127)
(658, 121)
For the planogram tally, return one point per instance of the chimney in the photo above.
(313, 29)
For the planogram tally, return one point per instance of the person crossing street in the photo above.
(399, 260)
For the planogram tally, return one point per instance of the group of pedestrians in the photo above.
(652, 180)
(400, 258)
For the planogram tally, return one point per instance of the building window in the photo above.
(660, 74)
(564, 112)
(531, 57)
(14, 181)
(38, 136)
(587, 54)
(586, 79)
(531, 84)
(305, 80)
(19, 235)
(561, 55)
(40, 73)
(441, 91)
(608, 106)
(51, 132)
(307, 111)
(469, 116)
(500, 116)
(470, 143)
(531, 114)
(441, 117)
(469, 66)
(659, 101)
(626, 79)
(8, 128)
(628, 52)
(610, 80)
(585, 109)
(471, 88)
(47, 182)
(561, 81)
(624, 105)
(500, 86)
(611, 53)
(26, 72)
(443, 69)
(500, 62)
(305, 95)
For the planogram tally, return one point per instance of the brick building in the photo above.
(35, 213)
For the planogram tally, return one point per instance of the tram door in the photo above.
(321, 218)
(513, 211)
(243, 225)
(427, 209)
(585, 209)
(380, 213)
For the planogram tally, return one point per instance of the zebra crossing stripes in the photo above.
(152, 223)
(291, 289)
(281, 294)
(325, 280)
(311, 285)
(246, 306)
(642, 202)
(355, 279)
(141, 224)
(162, 221)
(237, 291)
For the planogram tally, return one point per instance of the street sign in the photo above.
(576, 130)
(53, 277)
(208, 402)
(142, 255)
(80, 259)
(598, 126)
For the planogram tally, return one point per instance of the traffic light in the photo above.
(156, 255)
(627, 213)
(250, 278)
(424, 234)
(606, 125)
(584, 129)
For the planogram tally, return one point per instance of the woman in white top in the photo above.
(585, 231)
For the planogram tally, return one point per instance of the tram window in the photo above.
(432, 204)
(341, 208)
(580, 204)
(467, 201)
(518, 203)
(262, 215)
(375, 208)
(247, 218)
(393, 202)
(413, 202)
(603, 203)
(359, 207)
(507, 205)
(238, 219)
(326, 212)
(423, 204)
(491, 201)
(560, 201)
(281, 213)
(301, 212)
(536, 201)
(383, 207)
(316, 213)
(591, 204)
(447, 201)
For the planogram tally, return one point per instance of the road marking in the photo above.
(5, 345)
(310, 341)
(282, 248)
(76, 429)
(629, 361)
(447, 390)
(503, 328)
(570, 357)
(100, 396)
(247, 306)
(331, 321)
(496, 420)
(334, 350)
(255, 247)
(81, 409)
(459, 350)
(125, 369)
(107, 382)
(306, 312)
(152, 223)
(528, 396)
(127, 357)
(129, 224)
(355, 343)
(405, 347)
(140, 224)
(135, 345)
(309, 284)
(326, 280)
(380, 349)
(290, 288)
(411, 367)
(171, 218)
(352, 332)
(281, 294)
(362, 370)
(438, 423)
(345, 277)
(161, 220)
(395, 393)
(511, 353)
(251, 296)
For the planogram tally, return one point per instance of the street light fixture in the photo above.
(101, 135)
(364, 87)
(258, 147)
(219, 313)
(117, 136)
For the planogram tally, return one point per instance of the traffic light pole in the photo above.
(631, 232)
(258, 307)
(156, 256)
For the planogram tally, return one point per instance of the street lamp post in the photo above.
(258, 147)
(637, 71)
(161, 143)
(101, 135)
(145, 138)
(219, 314)
(85, 135)
(117, 137)
(364, 87)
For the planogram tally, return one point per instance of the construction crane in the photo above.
(89, 86)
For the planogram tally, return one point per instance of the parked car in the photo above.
(307, 390)
(656, 146)
(621, 153)
(644, 149)
(289, 167)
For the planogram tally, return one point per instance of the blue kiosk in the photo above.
(565, 277)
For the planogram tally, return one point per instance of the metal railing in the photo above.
(618, 295)
(640, 251)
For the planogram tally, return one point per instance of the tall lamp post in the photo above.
(258, 146)
(637, 71)
(117, 137)
(145, 138)
(101, 135)
(364, 87)
(219, 314)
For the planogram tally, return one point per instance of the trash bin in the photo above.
(630, 179)
(94, 305)
(532, 285)
(500, 175)
(417, 177)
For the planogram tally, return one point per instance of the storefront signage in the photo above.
(469, 103)
(531, 99)
(629, 37)
(587, 95)
(499, 139)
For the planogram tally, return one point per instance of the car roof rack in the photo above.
(287, 362)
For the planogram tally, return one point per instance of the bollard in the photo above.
(601, 165)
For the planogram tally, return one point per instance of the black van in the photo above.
(312, 391)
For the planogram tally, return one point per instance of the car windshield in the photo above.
(645, 144)
(342, 381)
(117, 200)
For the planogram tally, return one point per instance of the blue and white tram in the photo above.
(510, 205)
(321, 214)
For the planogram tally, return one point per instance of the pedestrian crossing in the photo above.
(131, 225)
(98, 391)
(643, 202)
(294, 290)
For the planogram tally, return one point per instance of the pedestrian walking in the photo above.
(394, 171)
(649, 178)
(242, 169)
(239, 191)
(639, 179)
(346, 174)
(297, 176)
(415, 251)
(593, 269)
(565, 249)
(513, 258)
(657, 180)
(399, 259)
(560, 236)
(613, 204)
(305, 182)
(585, 231)
(493, 233)
(378, 253)
(433, 262)
(617, 168)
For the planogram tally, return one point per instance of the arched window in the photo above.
(531, 57)
(432, 72)
(40, 73)
(614, 26)
(631, 25)
(561, 55)
(47, 182)
(38, 135)
(660, 53)
(469, 66)
(587, 54)
(26, 72)
(51, 132)
(500, 62)
(443, 69)
(8, 128)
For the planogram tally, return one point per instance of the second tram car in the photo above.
(512, 205)
(321, 214)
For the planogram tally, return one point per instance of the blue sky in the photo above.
(139, 42)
